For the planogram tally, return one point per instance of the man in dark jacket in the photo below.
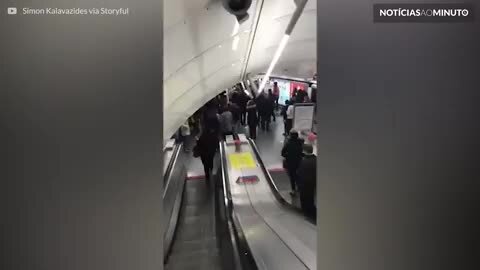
(262, 108)
(210, 117)
(243, 100)
(307, 181)
(252, 118)
(292, 152)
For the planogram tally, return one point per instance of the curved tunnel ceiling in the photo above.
(199, 61)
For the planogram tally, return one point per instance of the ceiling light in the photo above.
(236, 39)
(277, 55)
(236, 27)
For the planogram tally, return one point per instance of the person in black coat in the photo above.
(307, 181)
(262, 109)
(206, 147)
(252, 118)
(292, 152)
(243, 100)
(210, 118)
(271, 104)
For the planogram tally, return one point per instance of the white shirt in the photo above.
(290, 112)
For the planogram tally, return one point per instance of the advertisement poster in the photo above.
(297, 85)
(284, 89)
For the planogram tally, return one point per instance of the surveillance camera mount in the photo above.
(238, 8)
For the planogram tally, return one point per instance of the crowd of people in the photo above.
(228, 115)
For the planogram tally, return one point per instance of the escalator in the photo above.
(230, 224)
(279, 236)
(273, 179)
(200, 232)
(195, 245)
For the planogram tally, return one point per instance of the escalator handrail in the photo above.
(168, 175)
(170, 166)
(170, 162)
(274, 188)
(241, 245)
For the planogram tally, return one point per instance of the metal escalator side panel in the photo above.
(169, 234)
(195, 245)
(242, 251)
(274, 188)
(172, 197)
(267, 247)
(170, 155)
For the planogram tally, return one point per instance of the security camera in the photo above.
(238, 8)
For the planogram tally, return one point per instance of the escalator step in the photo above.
(197, 244)
(197, 261)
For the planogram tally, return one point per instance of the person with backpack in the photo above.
(210, 117)
(205, 148)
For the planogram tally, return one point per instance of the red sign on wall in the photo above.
(297, 85)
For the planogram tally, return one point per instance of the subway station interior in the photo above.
(245, 214)
(91, 180)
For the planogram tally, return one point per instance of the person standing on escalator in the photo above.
(292, 152)
(206, 147)
(226, 122)
(307, 181)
